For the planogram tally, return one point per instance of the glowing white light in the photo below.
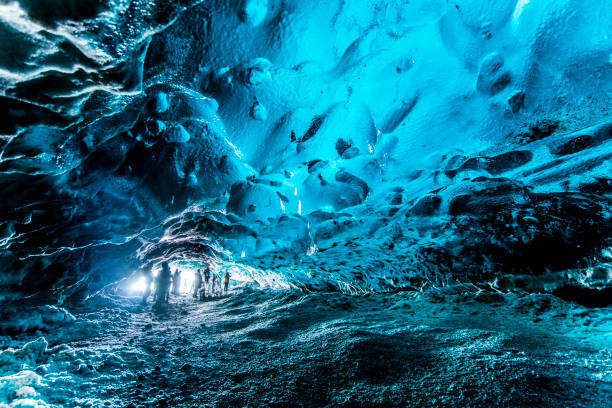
(282, 205)
(139, 285)
(518, 10)
(243, 254)
(300, 207)
(236, 150)
(187, 278)
(295, 192)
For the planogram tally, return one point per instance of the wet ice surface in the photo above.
(284, 348)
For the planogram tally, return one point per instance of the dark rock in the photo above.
(316, 164)
(589, 297)
(601, 185)
(500, 83)
(426, 206)
(459, 205)
(492, 79)
(539, 131)
(516, 101)
(350, 152)
(282, 197)
(396, 199)
(487, 195)
(473, 163)
(258, 111)
(313, 129)
(154, 127)
(346, 177)
(518, 231)
(575, 145)
(342, 145)
(16, 114)
(494, 165)
(76, 10)
(508, 161)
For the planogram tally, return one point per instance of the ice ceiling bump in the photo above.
(347, 145)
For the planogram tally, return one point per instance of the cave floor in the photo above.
(278, 348)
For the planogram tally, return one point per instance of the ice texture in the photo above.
(448, 347)
(413, 198)
(353, 146)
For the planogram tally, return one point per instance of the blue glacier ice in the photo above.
(376, 175)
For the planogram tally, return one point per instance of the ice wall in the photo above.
(350, 145)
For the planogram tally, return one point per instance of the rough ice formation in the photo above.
(349, 145)
(46, 317)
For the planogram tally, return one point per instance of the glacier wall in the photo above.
(336, 145)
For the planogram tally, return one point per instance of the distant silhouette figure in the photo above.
(176, 282)
(226, 279)
(207, 274)
(148, 276)
(162, 284)
(197, 283)
(213, 284)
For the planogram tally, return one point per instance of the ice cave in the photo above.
(305, 203)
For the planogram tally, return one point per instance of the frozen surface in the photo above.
(279, 348)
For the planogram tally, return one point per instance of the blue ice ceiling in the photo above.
(342, 145)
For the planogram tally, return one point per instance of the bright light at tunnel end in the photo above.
(139, 285)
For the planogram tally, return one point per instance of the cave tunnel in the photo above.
(323, 203)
